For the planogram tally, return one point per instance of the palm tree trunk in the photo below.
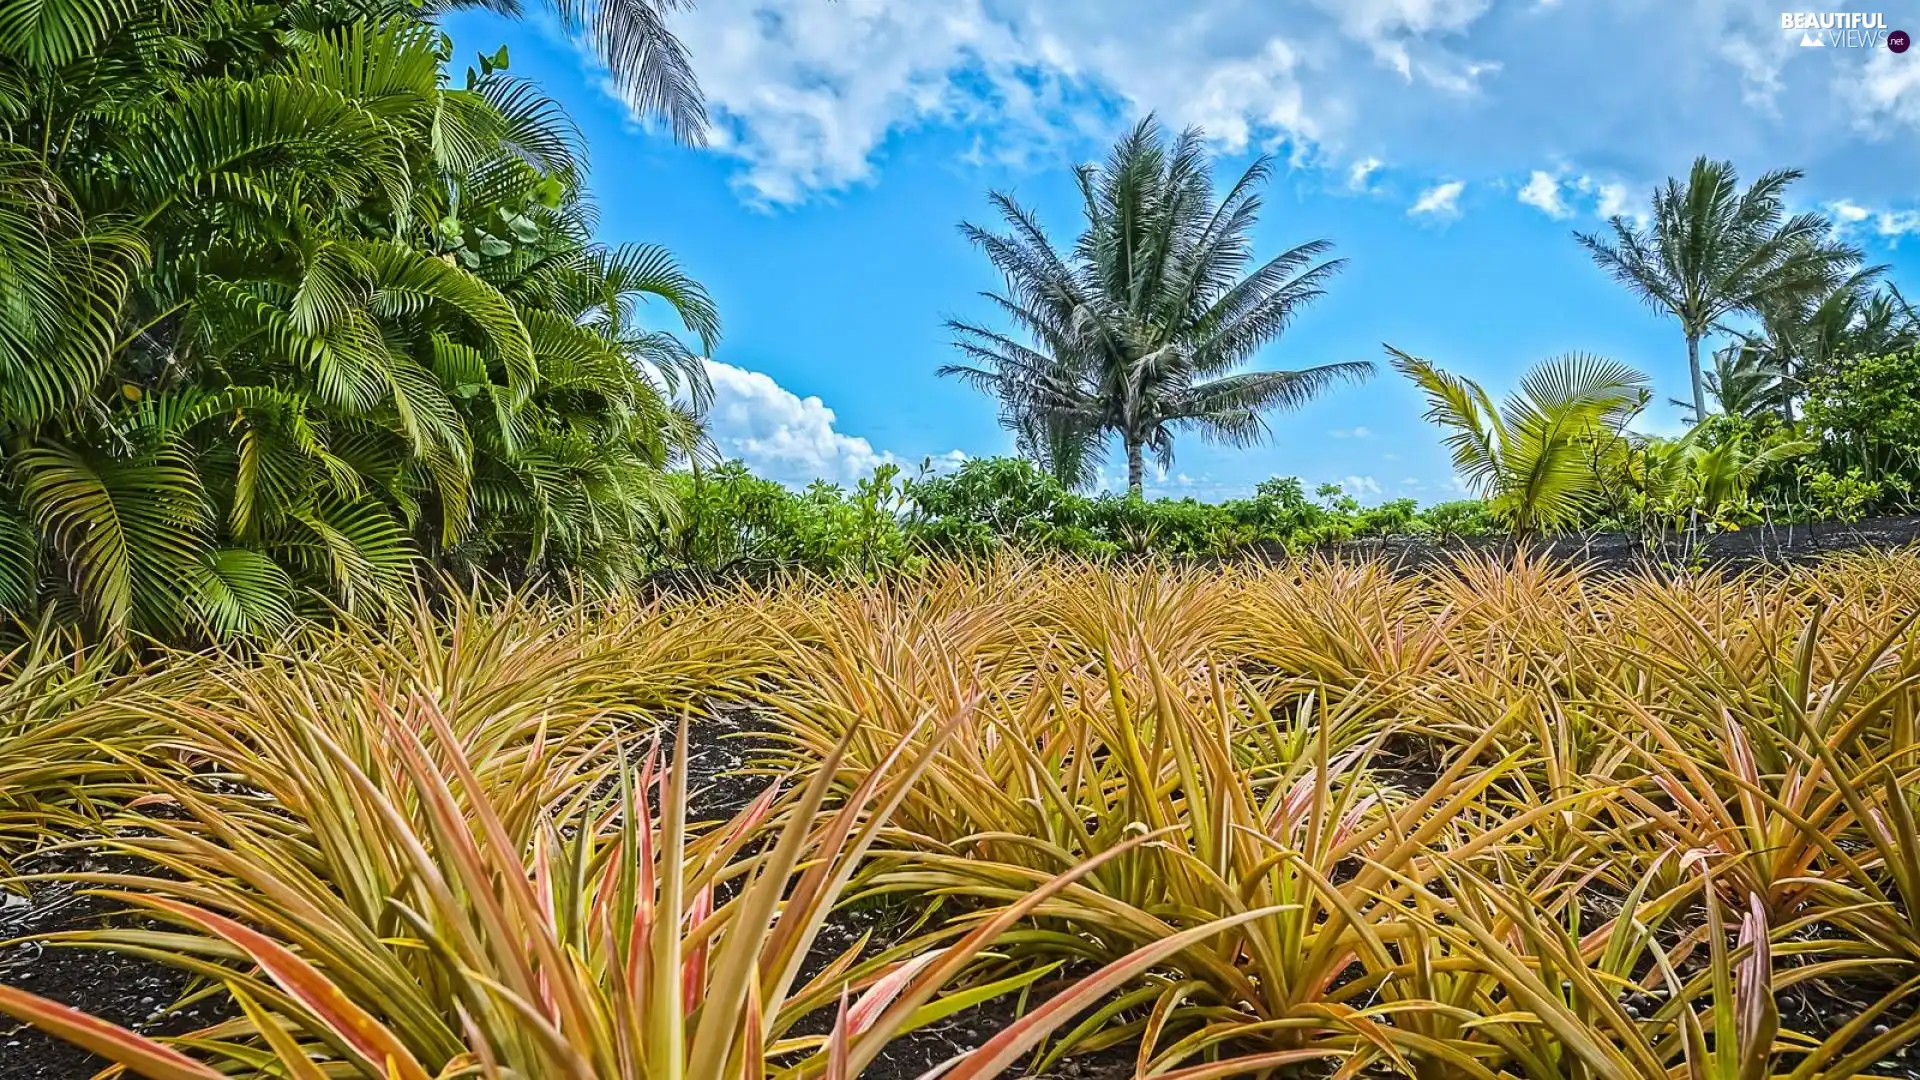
(1699, 384)
(1136, 468)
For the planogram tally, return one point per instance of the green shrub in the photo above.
(734, 519)
(1842, 498)
(1866, 413)
(1461, 517)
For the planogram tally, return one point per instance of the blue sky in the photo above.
(1447, 147)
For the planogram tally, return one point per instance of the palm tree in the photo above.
(1710, 250)
(650, 66)
(281, 335)
(1136, 332)
(1810, 335)
(1746, 381)
(1542, 457)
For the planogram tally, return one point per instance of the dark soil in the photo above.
(135, 993)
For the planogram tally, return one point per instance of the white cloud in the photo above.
(1351, 433)
(805, 93)
(1615, 202)
(1897, 223)
(1400, 34)
(1887, 223)
(1848, 212)
(1886, 87)
(1542, 192)
(1440, 200)
(1361, 172)
(783, 436)
(809, 96)
(1360, 487)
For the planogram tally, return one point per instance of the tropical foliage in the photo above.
(1542, 457)
(286, 314)
(1134, 333)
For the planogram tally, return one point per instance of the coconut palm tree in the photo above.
(1710, 250)
(1746, 380)
(1136, 332)
(1807, 336)
(1541, 458)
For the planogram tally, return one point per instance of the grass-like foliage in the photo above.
(1504, 819)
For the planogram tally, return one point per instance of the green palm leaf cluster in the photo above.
(286, 315)
(1137, 331)
(1541, 458)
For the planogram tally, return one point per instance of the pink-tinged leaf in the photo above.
(1740, 752)
(1300, 796)
(305, 984)
(111, 1041)
(837, 1042)
(1698, 856)
(693, 970)
(1757, 1018)
(753, 1045)
(885, 989)
(1350, 820)
(996, 1054)
(755, 813)
(543, 889)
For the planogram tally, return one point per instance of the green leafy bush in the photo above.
(1866, 413)
(286, 314)
(734, 519)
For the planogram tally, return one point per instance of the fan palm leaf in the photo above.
(1541, 457)
(130, 534)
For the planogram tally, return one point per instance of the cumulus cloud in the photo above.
(1360, 487)
(785, 437)
(1439, 201)
(808, 96)
(1848, 212)
(1886, 87)
(1615, 202)
(1542, 191)
(1885, 222)
(1896, 223)
(1351, 433)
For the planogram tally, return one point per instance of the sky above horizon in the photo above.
(1448, 148)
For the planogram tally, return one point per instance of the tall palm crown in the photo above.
(1710, 250)
(1135, 332)
(1810, 335)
